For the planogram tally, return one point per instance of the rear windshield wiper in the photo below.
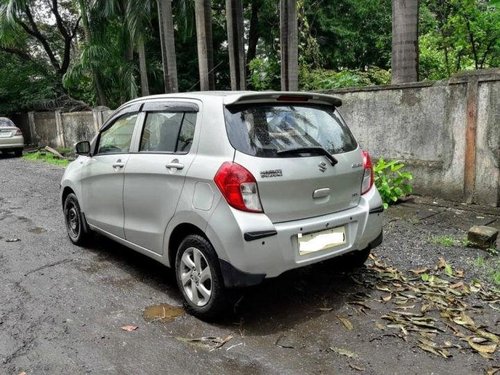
(309, 150)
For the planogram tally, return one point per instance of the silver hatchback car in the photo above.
(227, 188)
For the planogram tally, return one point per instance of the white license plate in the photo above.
(312, 242)
(4, 134)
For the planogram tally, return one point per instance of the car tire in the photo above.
(356, 259)
(199, 278)
(76, 226)
(18, 153)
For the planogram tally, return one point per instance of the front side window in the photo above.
(266, 130)
(168, 132)
(117, 138)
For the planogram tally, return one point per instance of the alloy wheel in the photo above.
(195, 276)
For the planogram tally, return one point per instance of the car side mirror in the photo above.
(83, 148)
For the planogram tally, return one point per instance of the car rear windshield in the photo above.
(268, 130)
(5, 122)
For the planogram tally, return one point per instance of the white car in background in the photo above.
(11, 137)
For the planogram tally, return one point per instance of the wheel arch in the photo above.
(66, 191)
(178, 234)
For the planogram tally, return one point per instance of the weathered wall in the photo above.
(58, 129)
(448, 133)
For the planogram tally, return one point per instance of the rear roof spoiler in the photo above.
(281, 97)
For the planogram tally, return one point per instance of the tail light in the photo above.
(18, 132)
(368, 173)
(239, 187)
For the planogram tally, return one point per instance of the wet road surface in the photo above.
(62, 307)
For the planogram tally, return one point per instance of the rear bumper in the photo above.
(272, 249)
(12, 143)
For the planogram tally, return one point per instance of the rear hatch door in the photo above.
(304, 158)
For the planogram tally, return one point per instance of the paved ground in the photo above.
(62, 307)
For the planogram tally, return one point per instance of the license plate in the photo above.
(312, 242)
(4, 134)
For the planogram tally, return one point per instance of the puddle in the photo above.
(163, 313)
(37, 230)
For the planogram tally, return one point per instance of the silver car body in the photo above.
(148, 201)
(11, 138)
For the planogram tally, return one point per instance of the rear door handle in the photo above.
(118, 164)
(175, 165)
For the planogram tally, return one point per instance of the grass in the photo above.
(491, 268)
(445, 241)
(46, 157)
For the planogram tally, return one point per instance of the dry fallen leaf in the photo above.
(346, 322)
(344, 352)
(418, 271)
(356, 367)
(482, 349)
(129, 328)
(387, 298)
(493, 371)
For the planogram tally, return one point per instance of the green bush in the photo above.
(391, 181)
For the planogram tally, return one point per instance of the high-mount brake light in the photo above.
(292, 98)
(239, 187)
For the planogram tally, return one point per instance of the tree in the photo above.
(236, 41)
(25, 23)
(203, 14)
(289, 45)
(404, 62)
(457, 35)
(168, 46)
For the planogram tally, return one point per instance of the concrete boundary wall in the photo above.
(58, 129)
(447, 132)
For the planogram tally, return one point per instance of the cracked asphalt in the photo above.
(62, 307)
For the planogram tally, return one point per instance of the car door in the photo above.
(102, 183)
(155, 175)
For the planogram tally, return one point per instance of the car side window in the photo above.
(117, 138)
(168, 132)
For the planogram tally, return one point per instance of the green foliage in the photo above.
(24, 84)
(458, 35)
(264, 74)
(391, 181)
(351, 34)
(446, 241)
(491, 267)
(321, 79)
(46, 157)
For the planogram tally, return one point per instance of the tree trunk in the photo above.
(210, 43)
(143, 68)
(101, 96)
(203, 14)
(404, 62)
(253, 33)
(235, 38)
(289, 45)
(167, 39)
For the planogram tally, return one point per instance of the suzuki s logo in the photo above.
(322, 166)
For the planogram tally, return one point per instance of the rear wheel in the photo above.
(76, 226)
(18, 152)
(199, 278)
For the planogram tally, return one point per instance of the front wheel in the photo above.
(199, 278)
(75, 222)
